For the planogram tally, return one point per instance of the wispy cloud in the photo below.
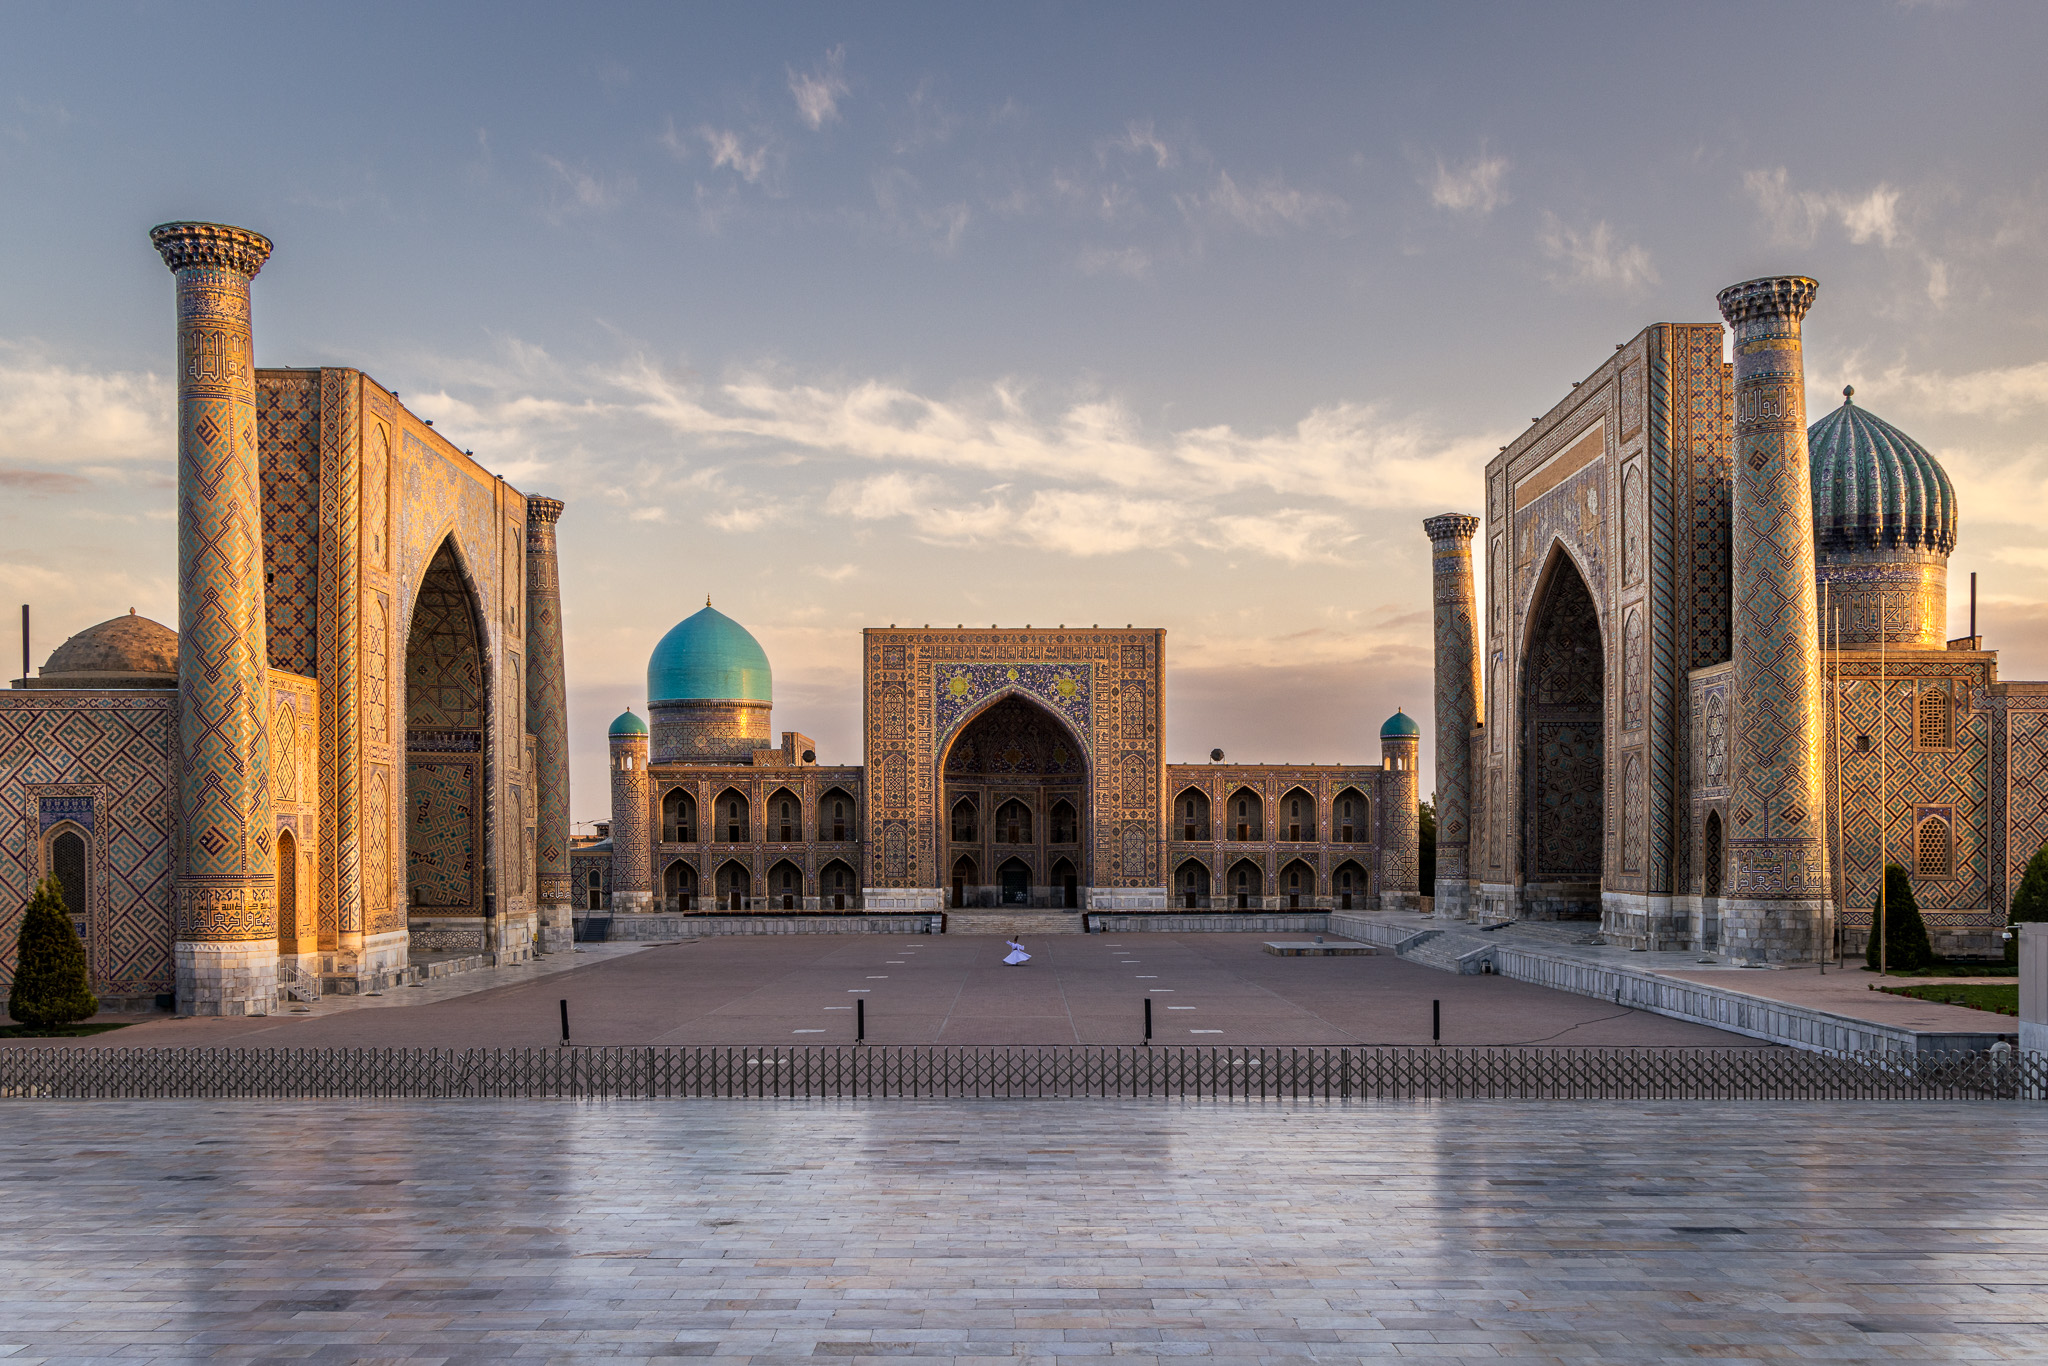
(1266, 208)
(2001, 392)
(1474, 187)
(818, 91)
(43, 482)
(1796, 216)
(56, 414)
(1139, 137)
(1594, 256)
(579, 189)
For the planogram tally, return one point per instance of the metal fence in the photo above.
(1052, 1072)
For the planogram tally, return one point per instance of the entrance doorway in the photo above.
(1015, 879)
(1563, 754)
(1013, 807)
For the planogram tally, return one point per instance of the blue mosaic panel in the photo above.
(1065, 687)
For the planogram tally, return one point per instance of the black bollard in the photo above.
(860, 1019)
(565, 1024)
(1436, 1021)
(1148, 1022)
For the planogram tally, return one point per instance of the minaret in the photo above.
(632, 879)
(226, 949)
(1400, 822)
(1775, 895)
(547, 718)
(1457, 706)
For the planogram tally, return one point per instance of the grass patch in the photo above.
(1961, 968)
(2004, 998)
(77, 1031)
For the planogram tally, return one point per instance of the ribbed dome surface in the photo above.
(1876, 488)
(709, 657)
(125, 645)
(1400, 726)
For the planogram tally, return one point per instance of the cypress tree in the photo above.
(2030, 902)
(51, 988)
(1905, 934)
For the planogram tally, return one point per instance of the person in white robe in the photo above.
(1016, 955)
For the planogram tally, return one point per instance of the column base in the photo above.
(226, 979)
(904, 898)
(632, 903)
(1453, 899)
(1124, 898)
(1771, 931)
(1400, 901)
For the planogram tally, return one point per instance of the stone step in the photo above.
(1016, 923)
(1446, 950)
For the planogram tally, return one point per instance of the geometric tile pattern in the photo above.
(546, 703)
(444, 685)
(1457, 688)
(115, 754)
(444, 829)
(227, 877)
(922, 685)
(1774, 844)
(288, 438)
(1564, 716)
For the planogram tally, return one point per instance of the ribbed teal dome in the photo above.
(709, 657)
(1400, 726)
(628, 724)
(1876, 488)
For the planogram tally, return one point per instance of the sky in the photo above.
(1178, 315)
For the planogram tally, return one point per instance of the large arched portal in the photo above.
(1563, 752)
(448, 741)
(1017, 762)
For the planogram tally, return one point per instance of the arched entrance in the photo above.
(287, 892)
(1247, 886)
(1015, 797)
(678, 886)
(448, 749)
(1563, 751)
(1191, 883)
(735, 885)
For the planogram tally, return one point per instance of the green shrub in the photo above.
(51, 988)
(2030, 902)
(1905, 933)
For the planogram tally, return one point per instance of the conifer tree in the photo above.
(1905, 934)
(51, 988)
(2030, 902)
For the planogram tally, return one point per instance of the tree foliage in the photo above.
(51, 987)
(2030, 902)
(1905, 934)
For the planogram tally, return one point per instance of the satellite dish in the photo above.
(1215, 756)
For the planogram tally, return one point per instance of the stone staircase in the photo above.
(1017, 923)
(1557, 931)
(1458, 951)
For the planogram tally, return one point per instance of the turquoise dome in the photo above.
(709, 657)
(1400, 726)
(628, 724)
(1875, 488)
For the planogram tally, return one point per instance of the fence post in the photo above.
(565, 1024)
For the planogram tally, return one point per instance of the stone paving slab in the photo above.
(983, 1231)
(1205, 988)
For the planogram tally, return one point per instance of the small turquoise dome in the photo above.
(628, 724)
(1875, 488)
(709, 657)
(1400, 726)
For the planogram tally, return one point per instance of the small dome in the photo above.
(1875, 488)
(125, 645)
(628, 724)
(1400, 726)
(708, 657)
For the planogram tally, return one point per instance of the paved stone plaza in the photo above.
(1205, 988)
(486, 1231)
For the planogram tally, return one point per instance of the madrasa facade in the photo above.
(347, 763)
(1019, 773)
(1713, 691)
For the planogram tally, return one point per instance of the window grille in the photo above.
(1934, 728)
(1934, 851)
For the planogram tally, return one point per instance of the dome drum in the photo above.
(1897, 596)
(708, 731)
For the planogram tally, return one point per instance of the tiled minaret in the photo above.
(226, 949)
(1457, 705)
(1400, 821)
(1773, 906)
(548, 721)
(632, 876)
